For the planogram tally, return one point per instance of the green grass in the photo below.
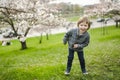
(47, 61)
(73, 19)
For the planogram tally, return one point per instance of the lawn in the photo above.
(47, 61)
(73, 18)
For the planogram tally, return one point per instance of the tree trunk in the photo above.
(40, 39)
(47, 36)
(116, 24)
(23, 45)
(119, 24)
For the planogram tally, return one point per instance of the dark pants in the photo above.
(71, 57)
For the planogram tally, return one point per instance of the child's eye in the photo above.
(83, 25)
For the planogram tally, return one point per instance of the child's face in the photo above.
(83, 26)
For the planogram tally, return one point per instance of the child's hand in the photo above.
(75, 46)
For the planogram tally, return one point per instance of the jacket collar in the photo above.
(78, 32)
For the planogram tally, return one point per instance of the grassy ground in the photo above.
(73, 18)
(47, 61)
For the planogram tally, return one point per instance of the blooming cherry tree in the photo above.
(23, 15)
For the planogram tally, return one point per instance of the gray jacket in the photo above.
(73, 37)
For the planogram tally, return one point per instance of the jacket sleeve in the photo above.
(66, 37)
(85, 43)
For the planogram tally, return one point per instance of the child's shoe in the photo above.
(85, 73)
(67, 72)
